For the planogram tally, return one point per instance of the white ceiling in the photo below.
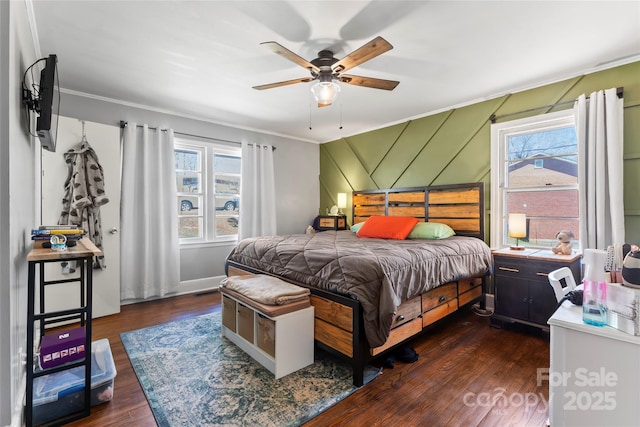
(200, 59)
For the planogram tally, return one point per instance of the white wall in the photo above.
(5, 330)
(296, 163)
(5, 297)
(297, 170)
(17, 205)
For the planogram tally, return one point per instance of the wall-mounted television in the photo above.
(45, 101)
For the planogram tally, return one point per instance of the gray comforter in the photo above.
(379, 273)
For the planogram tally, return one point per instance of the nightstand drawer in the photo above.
(331, 222)
(511, 266)
(526, 269)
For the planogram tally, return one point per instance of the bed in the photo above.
(371, 294)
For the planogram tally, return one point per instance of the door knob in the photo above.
(113, 230)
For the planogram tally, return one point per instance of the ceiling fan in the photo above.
(326, 68)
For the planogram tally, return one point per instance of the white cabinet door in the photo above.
(105, 141)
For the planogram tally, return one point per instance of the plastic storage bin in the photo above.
(62, 393)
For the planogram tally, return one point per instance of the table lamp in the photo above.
(342, 202)
(517, 223)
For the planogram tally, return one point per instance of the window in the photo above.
(534, 170)
(208, 183)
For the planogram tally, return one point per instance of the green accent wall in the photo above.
(455, 146)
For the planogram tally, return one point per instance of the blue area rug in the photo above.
(192, 376)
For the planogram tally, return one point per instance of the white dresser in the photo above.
(594, 376)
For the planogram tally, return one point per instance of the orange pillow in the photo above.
(388, 227)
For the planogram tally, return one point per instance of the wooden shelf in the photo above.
(83, 249)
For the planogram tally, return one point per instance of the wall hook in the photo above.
(84, 134)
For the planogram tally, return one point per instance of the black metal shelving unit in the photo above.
(82, 254)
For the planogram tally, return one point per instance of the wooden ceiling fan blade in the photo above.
(284, 83)
(368, 82)
(364, 53)
(283, 51)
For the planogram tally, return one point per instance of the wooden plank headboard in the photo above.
(461, 206)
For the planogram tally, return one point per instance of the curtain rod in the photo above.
(124, 124)
(493, 117)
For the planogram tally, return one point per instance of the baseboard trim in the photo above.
(199, 285)
(489, 302)
(187, 287)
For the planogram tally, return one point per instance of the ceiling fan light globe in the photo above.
(325, 93)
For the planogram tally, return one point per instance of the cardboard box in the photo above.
(622, 308)
(62, 347)
(62, 393)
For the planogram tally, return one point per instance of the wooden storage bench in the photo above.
(279, 337)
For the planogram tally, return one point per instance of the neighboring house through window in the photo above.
(534, 170)
(208, 183)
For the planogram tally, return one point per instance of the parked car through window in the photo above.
(189, 203)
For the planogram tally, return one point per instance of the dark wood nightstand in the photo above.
(331, 222)
(522, 290)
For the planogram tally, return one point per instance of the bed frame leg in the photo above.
(360, 350)
(358, 376)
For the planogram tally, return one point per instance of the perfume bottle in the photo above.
(594, 299)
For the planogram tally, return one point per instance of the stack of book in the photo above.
(43, 233)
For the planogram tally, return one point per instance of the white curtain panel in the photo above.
(150, 251)
(258, 192)
(599, 127)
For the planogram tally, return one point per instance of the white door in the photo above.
(105, 141)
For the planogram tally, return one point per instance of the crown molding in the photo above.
(31, 16)
(178, 114)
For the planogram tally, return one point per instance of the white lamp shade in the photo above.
(325, 93)
(342, 200)
(517, 225)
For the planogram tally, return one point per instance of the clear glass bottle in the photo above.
(594, 303)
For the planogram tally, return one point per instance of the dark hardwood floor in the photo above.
(468, 374)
